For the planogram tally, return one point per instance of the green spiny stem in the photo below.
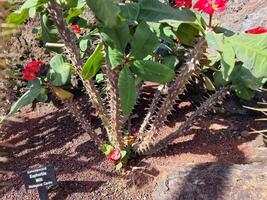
(71, 45)
(80, 118)
(115, 114)
(177, 87)
(151, 110)
(208, 105)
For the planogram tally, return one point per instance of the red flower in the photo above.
(33, 66)
(114, 155)
(28, 75)
(210, 6)
(183, 3)
(257, 30)
(30, 70)
(76, 28)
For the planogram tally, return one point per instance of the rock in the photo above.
(210, 181)
(241, 15)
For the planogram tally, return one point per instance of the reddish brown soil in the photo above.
(50, 136)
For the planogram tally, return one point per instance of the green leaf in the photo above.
(244, 93)
(155, 11)
(99, 78)
(170, 61)
(208, 83)
(187, 33)
(241, 76)
(93, 63)
(67, 4)
(42, 97)
(26, 98)
(106, 149)
(115, 57)
(85, 43)
(251, 49)
(18, 17)
(59, 72)
(117, 37)
(106, 11)
(119, 166)
(123, 153)
(49, 33)
(218, 79)
(228, 60)
(127, 91)
(62, 94)
(73, 12)
(215, 41)
(144, 41)
(152, 71)
(130, 11)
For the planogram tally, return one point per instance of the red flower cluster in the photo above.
(210, 6)
(257, 30)
(183, 3)
(76, 28)
(30, 70)
(114, 155)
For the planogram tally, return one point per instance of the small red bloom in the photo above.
(76, 28)
(28, 75)
(210, 6)
(30, 70)
(114, 155)
(183, 3)
(33, 66)
(257, 30)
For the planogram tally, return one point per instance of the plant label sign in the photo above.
(40, 178)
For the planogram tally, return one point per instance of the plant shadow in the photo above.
(54, 139)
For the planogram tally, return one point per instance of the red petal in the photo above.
(28, 75)
(257, 30)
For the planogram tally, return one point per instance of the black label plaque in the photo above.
(40, 178)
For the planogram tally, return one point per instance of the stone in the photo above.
(210, 181)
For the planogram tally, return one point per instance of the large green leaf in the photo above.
(187, 34)
(106, 11)
(252, 51)
(127, 91)
(49, 33)
(93, 63)
(170, 61)
(215, 41)
(26, 98)
(144, 41)
(218, 43)
(59, 72)
(18, 17)
(228, 60)
(115, 57)
(130, 11)
(155, 11)
(117, 37)
(152, 71)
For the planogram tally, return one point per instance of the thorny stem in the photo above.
(201, 111)
(115, 114)
(72, 108)
(176, 88)
(151, 110)
(71, 45)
